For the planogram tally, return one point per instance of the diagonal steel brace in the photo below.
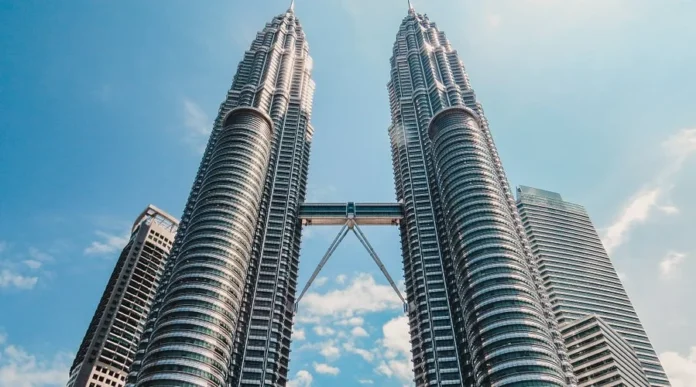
(348, 226)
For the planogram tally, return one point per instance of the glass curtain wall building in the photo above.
(479, 315)
(224, 313)
(578, 273)
(110, 344)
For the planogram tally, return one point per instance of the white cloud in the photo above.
(635, 212)
(677, 148)
(366, 381)
(681, 370)
(329, 350)
(396, 348)
(359, 332)
(383, 369)
(39, 255)
(341, 279)
(364, 353)
(9, 279)
(299, 335)
(109, 243)
(32, 264)
(21, 369)
(363, 295)
(397, 339)
(669, 210)
(302, 379)
(354, 321)
(321, 281)
(326, 369)
(198, 125)
(669, 264)
(323, 331)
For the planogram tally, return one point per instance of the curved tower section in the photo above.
(223, 306)
(471, 281)
(192, 340)
(504, 320)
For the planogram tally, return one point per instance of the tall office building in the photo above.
(479, 316)
(111, 341)
(578, 274)
(224, 313)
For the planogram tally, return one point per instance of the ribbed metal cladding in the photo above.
(503, 315)
(427, 76)
(273, 76)
(192, 340)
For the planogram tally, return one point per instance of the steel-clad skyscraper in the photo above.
(478, 310)
(578, 273)
(480, 316)
(224, 316)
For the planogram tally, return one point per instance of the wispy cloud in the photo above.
(366, 381)
(299, 335)
(680, 369)
(108, 243)
(323, 331)
(362, 295)
(350, 347)
(669, 264)
(359, 332)
(635, 212)
(301, 379)
(321, 281)
(354, 321)
(326, 369)
(32, 264)
(677, 149)
(39, 255)
(198, 125)
(18, 368)
(11, 279)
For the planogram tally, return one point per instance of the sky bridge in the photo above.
(336, 214)
(351, 215)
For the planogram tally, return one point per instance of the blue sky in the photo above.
(104, 107)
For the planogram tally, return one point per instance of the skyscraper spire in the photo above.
(410, 6)
(292, 6)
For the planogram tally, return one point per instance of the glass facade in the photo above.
(224, 313)
(478, 315)
(578, 273)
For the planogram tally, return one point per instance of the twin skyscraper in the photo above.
(499, 291)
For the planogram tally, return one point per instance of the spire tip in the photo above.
(292, 6)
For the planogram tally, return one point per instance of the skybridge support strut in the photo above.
(350, 225)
